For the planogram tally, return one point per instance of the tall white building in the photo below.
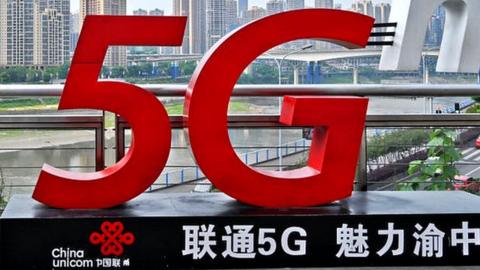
(324, 3)
(382, 12)
(364, 7)
(215, 21)
(16, 32)
(116, 56)
(197, 25)
(295, 4)
(52, 32)
(3, 33)
(242, 8)
(74, 30)
(252, 14)
(275, 6)
(34, 32)
(194, 39)
(231, 15)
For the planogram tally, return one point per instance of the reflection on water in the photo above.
(19, 169)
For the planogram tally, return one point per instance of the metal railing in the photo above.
(63, 122)
(251, 121)
(178, 90)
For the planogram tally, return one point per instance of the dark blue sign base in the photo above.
(178, 231)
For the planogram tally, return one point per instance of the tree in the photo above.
(188, 67)
(117, 72)
(438, 171)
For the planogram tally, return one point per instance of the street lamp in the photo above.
(280, 63)
(279, 67)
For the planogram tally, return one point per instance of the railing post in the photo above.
(256, 157)
(268, 154)
(362, 179)
(100, 145)
(197, 174)
(182, 174)
(119, 139)
(166, 179)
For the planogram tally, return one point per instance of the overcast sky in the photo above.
(167, 4)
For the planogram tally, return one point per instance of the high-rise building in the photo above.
(140, 12)
(52, 32)
(34, 32)
(153, 12)
(242, 8)
(3, 33)
(182, 8)
(194, 39)
(324, 3)
(197, 27)
(156, 12)
(382, 12)
(275, 6)
(231, 18)
(16, 32)
(252, 14)
(364, 7)
(116, 56)
(295, 4)
(435, 28)
(74, 31)
(215, 21)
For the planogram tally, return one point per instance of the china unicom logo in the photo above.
(112, 238)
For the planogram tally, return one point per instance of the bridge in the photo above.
(317, 56)
(303, 56)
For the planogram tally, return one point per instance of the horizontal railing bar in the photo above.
(380, 25)
(39, 167)
(174, 90)
(25, 119)
(47, 149)
(382, 34)
(380, 43)
(383, 121)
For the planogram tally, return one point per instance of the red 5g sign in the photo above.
(338, 122)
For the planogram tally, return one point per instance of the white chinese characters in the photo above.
(353, 242)
(429, 240)
(240, 242)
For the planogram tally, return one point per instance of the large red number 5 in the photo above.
(146, 115)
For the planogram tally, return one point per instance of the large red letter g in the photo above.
(339, 122)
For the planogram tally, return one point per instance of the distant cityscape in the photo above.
(42, 33)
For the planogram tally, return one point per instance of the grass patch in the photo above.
(234, 106)
(28, 104)
(474, 108)
(174, 109)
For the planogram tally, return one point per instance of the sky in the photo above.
(166, 5)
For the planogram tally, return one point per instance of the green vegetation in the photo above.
(397, 141)
(235, 106)
(3, 202)
(260, 74)
(338, 79)
(28, 104)
(30, 75)
(474, 108)
(438, 171)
